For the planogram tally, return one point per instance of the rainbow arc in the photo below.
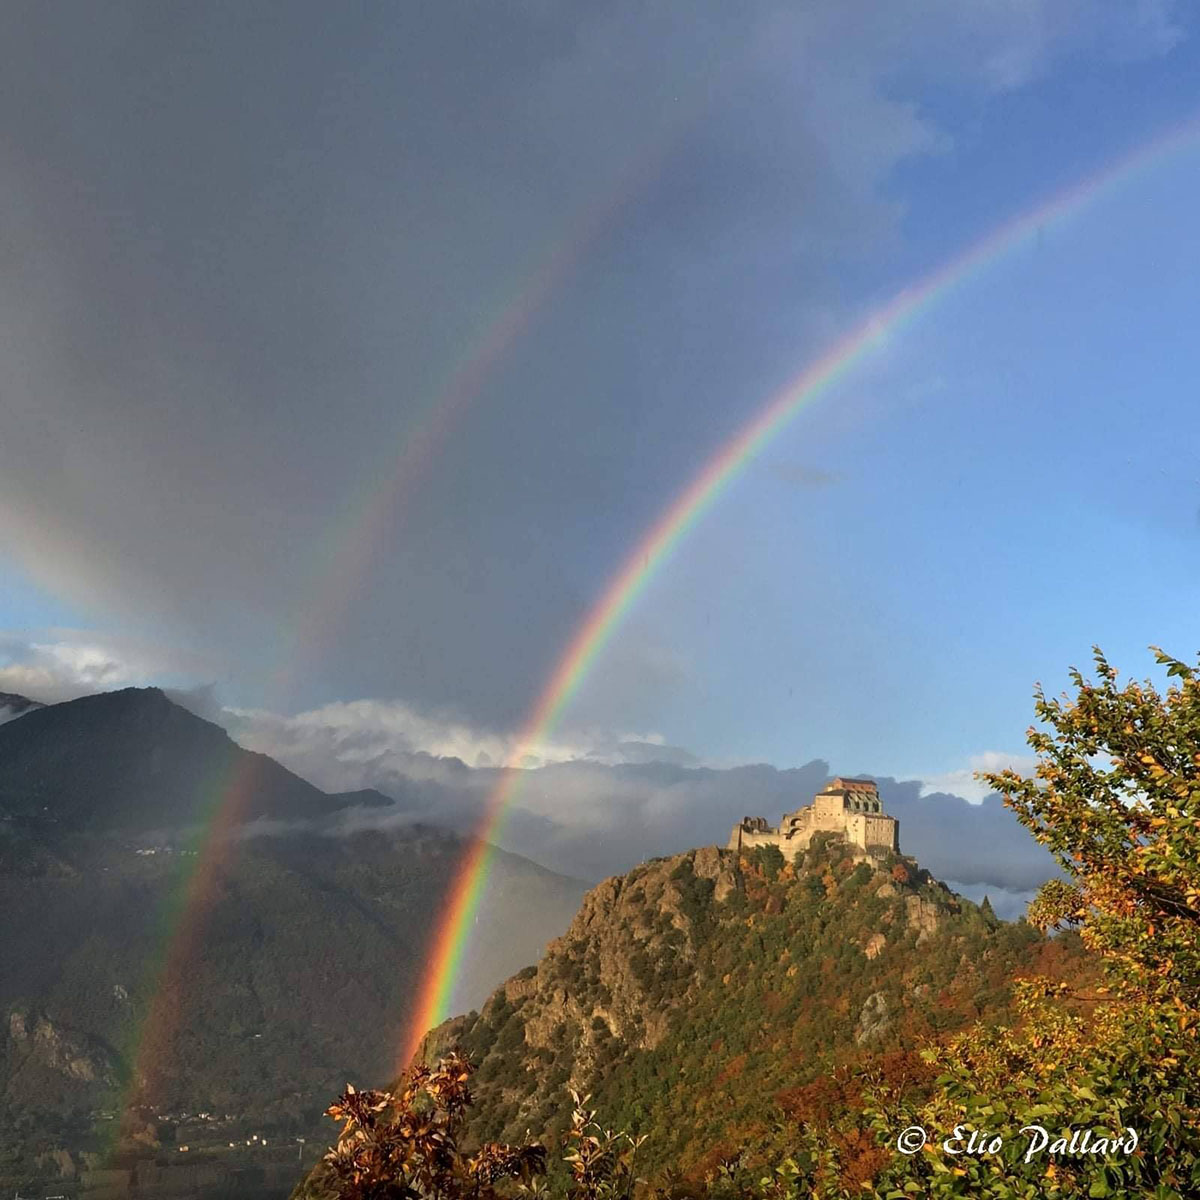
(451, 937)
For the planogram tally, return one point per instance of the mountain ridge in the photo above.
(13, 705)
(106, 761)
(295, 967)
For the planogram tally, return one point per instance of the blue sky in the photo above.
(1014, 478)
(247, 250)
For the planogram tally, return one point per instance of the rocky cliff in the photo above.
(691, 996)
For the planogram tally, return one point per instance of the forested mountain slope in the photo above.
(708, 1000)
(251, 975)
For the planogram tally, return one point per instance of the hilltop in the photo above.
(708, 998)
(135, 760)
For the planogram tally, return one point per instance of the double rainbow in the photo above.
(198, 886)
(452, 934)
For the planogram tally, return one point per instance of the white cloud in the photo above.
(591, 818)
(345, 743)
(962, 781)
(596, 802)
(62, 664)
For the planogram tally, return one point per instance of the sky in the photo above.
(345, 353)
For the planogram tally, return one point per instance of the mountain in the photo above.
(134, 760)
(13, 705)
(364, 798)
(708, 999)
(248, 974)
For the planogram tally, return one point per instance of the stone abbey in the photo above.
(850, 807)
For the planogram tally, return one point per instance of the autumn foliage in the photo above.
(403, 1144)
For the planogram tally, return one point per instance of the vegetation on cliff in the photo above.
(720, 1005)
(695, 1016)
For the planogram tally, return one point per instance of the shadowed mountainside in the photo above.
(134, 760)
(250, 976)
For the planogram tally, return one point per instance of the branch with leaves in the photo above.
(1116, 799)
(403, 1144)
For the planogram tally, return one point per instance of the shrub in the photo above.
(403, 1144)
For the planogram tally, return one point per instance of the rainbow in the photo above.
(193, 894)
(452, 933)
(345, 554)
(350, 545)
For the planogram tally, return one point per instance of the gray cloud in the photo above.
(590, 818)
(62, 664)
(245, 247)
(1007, 904)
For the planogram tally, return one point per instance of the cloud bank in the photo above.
(591, 802)
(595, 807)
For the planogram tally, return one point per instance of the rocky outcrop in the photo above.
(873, 1019)
(679, 988)
(600, 985)
(717, 865)
(604, 982)
(922, 915)
(623, 923)
(875, 943)
(37, 1042)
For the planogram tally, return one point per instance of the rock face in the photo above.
(596, 974)
(46, 1060)
(923, 915)
(875, 943)
(873, 1019)
(41, 1044)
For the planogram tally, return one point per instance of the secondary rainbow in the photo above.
(193, 894)
(452, 933)
(350, 545)
(343, 562)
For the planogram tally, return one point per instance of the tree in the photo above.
(404, 1145)
(771, 860)
(1116, 798)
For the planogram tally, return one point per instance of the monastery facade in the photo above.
(850, 807)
